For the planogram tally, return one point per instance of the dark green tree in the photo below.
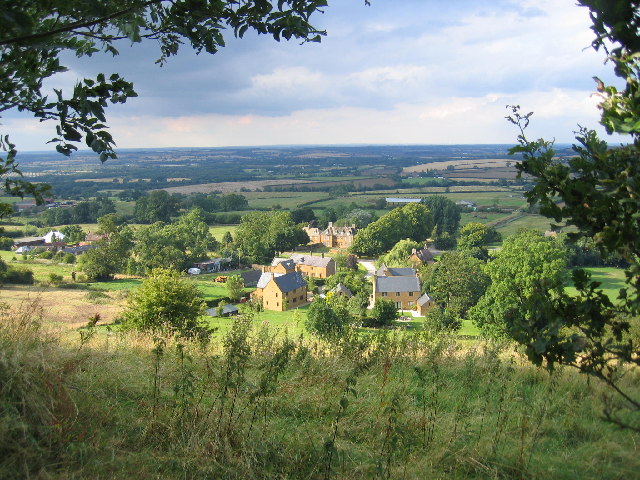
(73, 233)
(158, 206)
(446, 214)
(529, 270)
(413, 221)
(383, 314)
(456, 282)
(323, 321)
(474, 239)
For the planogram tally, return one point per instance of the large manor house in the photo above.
(332, 236)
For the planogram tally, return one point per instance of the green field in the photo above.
(611, 279)
(287, 200)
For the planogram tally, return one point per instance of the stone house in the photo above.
(280, 292)
(404, 291)
(332, 236)
(307, 265)
(425, 303)
(421, 257)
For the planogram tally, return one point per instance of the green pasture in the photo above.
(287, 200)
(218, 231)
(531, 222)
(611, 279)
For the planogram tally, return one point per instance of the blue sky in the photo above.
(397, 72)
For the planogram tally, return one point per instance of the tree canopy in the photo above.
(598, 192)
(413, 221)
(529, 269)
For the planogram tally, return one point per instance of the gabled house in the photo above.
(425, 303)
(421, 257)
(317, 267)
(342, 290)
(404, 291)
(332, 237)
(282, 265)
(307, 265)
(280, 292)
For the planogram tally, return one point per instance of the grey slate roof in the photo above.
(342, 289)
(311, 260)
(251, 277)
(290, 281)
(395, 272)
(79, 249)
(424, 299)
(397, 284)
(288, 264)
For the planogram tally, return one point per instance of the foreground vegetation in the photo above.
(252, 404)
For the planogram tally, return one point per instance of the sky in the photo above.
(396, 72)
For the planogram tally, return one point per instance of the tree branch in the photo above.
(72, 26)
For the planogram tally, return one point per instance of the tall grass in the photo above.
(255, 404)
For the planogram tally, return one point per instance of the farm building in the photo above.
(401, 201)
(213, 265)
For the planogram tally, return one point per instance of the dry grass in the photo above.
(59, 305)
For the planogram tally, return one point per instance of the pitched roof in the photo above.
(397, 284)
(311, 260)
(425, 255)
(385, 271)
(251, 277)
(285, 281)
(424, 299)
(343, 289)
(289, 282)
(265, 278)
(287, 263)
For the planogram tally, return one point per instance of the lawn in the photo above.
(218, 231)
(611, 279)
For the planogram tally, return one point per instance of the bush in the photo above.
(20, 276)
(69, 258)
(6, 243)
(440, 321)
(55, 279)
(46, 255)
(323, 321)
(166, 303)
(383, 314)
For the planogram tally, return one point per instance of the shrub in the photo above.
(6, 243)
(323, 321)
(20, 276)
(166, 303)
(69, 258)
(440, 321)
(383, 314)
(55, 279)
(46, 255)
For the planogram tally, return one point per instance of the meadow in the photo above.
(255, 404)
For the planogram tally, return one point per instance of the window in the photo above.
(276, 294)
(397, 294)
(384, 294)
(411, 294)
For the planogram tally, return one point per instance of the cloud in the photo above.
(407, 71)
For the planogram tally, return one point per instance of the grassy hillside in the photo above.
(255, 405)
